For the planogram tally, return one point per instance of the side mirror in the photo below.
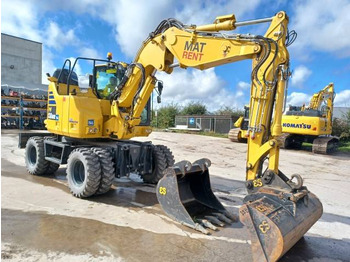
(159, 99)
(160, 88)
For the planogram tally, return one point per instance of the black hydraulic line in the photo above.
(271, 63)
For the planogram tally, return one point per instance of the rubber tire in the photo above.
(52, 168)
(92, 172)
(160, 163)
(170, 160)
(107, 169)
(39, 165)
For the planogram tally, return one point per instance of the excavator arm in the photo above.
(325, 95)
(277, 210)
(204, 47)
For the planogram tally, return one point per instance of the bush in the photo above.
(194, 108)
(234, 112)
(166, 116)
(341, 128)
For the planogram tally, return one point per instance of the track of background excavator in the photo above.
(290, 141)
(320, 145)
(234, 135)
(282, 140)
(324, 145)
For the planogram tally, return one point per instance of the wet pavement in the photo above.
(41, 221)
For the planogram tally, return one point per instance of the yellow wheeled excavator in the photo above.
(90, 131)
(312, 124)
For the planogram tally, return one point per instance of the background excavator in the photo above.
(90, 131)
(312, 124)
(240, 130)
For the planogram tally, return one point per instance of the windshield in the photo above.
(108, 78)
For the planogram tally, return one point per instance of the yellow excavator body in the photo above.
(305, 125)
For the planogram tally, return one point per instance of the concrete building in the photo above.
(21, 63)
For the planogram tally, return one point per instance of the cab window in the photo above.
(107, 79)
(146, 114)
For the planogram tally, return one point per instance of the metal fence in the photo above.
(208, 123)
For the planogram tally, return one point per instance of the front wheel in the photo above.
(83, 172)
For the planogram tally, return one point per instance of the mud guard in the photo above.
(185, 195)
(277, 219)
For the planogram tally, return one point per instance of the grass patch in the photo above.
(306, 146)
(344, 146)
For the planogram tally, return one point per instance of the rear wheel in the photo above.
(107, 169)
(52, 168)
(83, 172)
(35, 156)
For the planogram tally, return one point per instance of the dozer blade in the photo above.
(276, 219)
(185, 195)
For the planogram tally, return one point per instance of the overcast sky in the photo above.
(90, 28)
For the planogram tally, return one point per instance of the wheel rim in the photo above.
(32, 155)
(78, 175)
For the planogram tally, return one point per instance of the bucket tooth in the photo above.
(207, 224)
(203, 163)
(184, 166)
(223, 218)
(199, 228)
(215, 221)
(184, 193)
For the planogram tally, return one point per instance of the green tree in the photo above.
(347, 118)
(165, 116)
(194, 108)
(230, 111)
(345, 135)
(341, 127)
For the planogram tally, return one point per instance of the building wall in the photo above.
(21, 60)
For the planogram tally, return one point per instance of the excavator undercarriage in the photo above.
(320, 144)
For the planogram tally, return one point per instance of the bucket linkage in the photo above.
(185, 195)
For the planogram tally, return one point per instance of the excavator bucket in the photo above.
(276, 220)
(185, 195)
